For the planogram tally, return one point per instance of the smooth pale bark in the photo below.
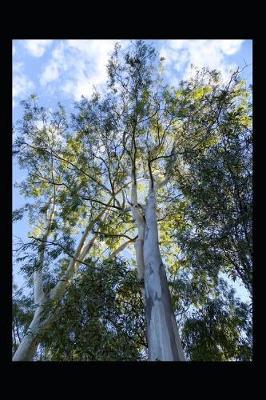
(28, 345)
(138, 216)
(162, 334)
(164, 343)
(37, 274)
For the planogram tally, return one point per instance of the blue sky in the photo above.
(63, 70)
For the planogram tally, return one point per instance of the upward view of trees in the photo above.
(140, 207)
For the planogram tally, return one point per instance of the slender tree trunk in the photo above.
(164, 343)
(29, 343)
(140, 224)
(162, 334)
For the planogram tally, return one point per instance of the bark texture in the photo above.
(162, 334)
(164, 343)
(28, 345)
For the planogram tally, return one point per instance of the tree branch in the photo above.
(112, 234)
(122, 247)
(59, 289)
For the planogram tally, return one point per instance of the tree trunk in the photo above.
(29, 343)
(162, 334)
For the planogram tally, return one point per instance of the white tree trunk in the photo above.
(140, 223)
(29, 343)
(162, 334)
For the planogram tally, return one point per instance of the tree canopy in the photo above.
(90, 177)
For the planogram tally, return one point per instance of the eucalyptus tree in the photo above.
(215, 176)
(166, 169)
(22, 313)
(140, 127)
(62, 234)
(194, 141)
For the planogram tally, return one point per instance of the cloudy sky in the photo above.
(70, 68)
(63, 70)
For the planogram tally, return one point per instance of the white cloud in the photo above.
(50, 73)
(57, 64)
(78, 65)
(21, 84)
(230, 46)
(37, 47)
(180, 54)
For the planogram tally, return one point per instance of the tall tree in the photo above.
(214, 176)
(63, 224)
(137, 122)
(166, 169)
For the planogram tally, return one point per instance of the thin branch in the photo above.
(101, 202)
(60, 287)
(73, 165)
(112, 234)
(121, 248)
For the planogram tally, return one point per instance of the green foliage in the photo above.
(217, 184)
(22, 313)
(199, 136)
(219, 331)
(104, 321)
(18, 214)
